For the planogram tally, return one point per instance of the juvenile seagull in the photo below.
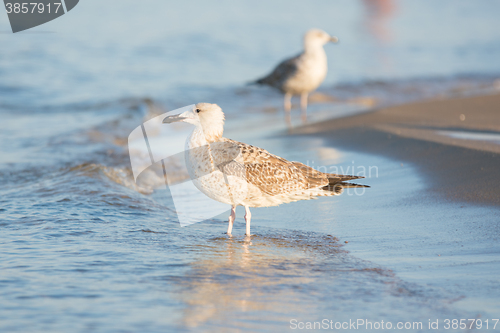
(239, 174)
(303, 73)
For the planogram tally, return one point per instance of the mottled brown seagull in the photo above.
(303, 73)
(239, 174)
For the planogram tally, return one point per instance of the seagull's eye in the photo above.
(198, 110)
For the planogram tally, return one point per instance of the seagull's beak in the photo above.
(173, 119)
(334, 39)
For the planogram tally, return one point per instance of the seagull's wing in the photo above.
(336, 182)
(274, 175)
(282, 72)
(318, 174)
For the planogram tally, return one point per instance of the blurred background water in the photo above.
(121, 49)
(82, 250)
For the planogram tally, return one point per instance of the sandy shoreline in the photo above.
(425, 135)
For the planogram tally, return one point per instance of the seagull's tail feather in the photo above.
(337, 183)
(332, 177)
(257, 82)
(350, 185)
(339, 187)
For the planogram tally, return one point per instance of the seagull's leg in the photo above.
(303, 106)
(287, 105)
(231, 220)
(248, 217)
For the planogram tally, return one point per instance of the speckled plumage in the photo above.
(236, 173)
(272, 180)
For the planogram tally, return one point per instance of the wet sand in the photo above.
(435, 136)
(441, 229)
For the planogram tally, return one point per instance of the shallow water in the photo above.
(83, 248)
(471, 135)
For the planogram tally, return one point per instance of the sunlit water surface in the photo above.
(83, 248)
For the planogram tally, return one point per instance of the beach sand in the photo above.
(440, 229)
(455, 143)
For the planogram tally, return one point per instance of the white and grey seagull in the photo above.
(303, 73)
(239, 174)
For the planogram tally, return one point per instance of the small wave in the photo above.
(153, 232)
(389, 92)
(119, 175)
(149, 180)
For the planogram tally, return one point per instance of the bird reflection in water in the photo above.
(245, 278)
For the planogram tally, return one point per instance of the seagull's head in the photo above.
(208, 117)
(317, 38)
